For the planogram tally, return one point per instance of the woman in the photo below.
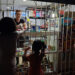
(8, 38)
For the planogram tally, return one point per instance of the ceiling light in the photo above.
(53, 15)
(24, 0)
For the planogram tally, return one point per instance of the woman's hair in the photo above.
(37, 46)
(7, 25)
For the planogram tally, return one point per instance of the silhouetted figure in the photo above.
(36, 57)
(8, 37)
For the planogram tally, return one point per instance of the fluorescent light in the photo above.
(24, 0)
(7, 7)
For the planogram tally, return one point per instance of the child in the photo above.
(35, 58)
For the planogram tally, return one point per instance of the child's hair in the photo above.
(37, 46)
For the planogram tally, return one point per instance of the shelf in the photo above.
(37, 17)
(35, 34)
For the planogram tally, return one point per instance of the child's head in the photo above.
(37, 46)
